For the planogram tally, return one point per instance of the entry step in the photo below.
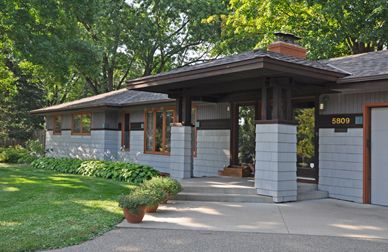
(222, 197)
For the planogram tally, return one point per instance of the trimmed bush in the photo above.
(134, 202)
(15, 154)
(170, 186)
(154, 196)
(129, 172)
(18, 154)
(64, 165)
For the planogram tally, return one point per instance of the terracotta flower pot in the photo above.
(151, 209)
(134, 218)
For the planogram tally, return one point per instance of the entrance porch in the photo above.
(232, 189)
(267, 81)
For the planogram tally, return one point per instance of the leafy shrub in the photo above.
(15, 154)
(168, 185)
(18, 154)
(154, 196)
(129, 172)
(35, 148)
(65, 165)
(133, 202)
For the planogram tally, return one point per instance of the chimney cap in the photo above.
(287, 37)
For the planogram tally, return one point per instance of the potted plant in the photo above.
(133, 206)
(169, 186)
(155, 197)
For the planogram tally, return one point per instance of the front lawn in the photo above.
(40, 209)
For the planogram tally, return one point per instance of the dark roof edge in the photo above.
(363, 78)
(190, 75)
(168, 76)
(48, 111)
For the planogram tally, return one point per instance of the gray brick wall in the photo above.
(136, 153)
(100, 144)
(181, 156)
(340, 163)
(213, 152)
(275, 173)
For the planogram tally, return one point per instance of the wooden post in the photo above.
(183, 110)
(264, 103)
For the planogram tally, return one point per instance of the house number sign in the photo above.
(341, 121)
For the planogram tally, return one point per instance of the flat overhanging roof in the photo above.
(255, 64)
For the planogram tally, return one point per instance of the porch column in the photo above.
(181, 154)
(275, 168)
(275, 172)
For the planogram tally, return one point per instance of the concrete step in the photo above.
(312, 195)
(306, 187)
(219, 190)
(220, 197)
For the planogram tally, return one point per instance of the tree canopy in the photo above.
(328, 28)
(60, 50)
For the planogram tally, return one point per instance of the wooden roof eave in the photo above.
(257, 63)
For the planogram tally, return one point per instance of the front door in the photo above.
(379, 156)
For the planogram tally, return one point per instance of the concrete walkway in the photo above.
(317, 217)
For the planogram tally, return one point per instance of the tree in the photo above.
(56, 51)
(104, 42)
(328, 28)
(247, 134)
(305, 133)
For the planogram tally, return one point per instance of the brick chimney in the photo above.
(286, 44)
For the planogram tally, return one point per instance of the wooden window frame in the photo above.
(127, 148)
(164, 129)
(55, 132)
(72, 124)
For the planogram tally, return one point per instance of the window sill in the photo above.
(157, 153)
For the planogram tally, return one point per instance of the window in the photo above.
(125, 132)
(157, 131)
(81, 124)
(57, 125)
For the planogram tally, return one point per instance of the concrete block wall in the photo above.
(181, 156)
(100, 144)
(341, 163)
(213, 152)
(275, 173)
(136, 153)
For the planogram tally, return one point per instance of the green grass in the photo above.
(40, 209)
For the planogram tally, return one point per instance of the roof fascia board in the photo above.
(298, 69)
(105, 106)
(245, 65)
(363, 79)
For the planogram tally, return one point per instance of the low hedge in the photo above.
(129, 172)
(22, 155)
(15, 154)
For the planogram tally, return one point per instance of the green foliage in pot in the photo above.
(134, 202)
(168, 185)
(154, 196)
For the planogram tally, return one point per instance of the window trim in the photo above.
(164, 128)
(154, 110)
(55, 132)
(126, 149)
(72, 124)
